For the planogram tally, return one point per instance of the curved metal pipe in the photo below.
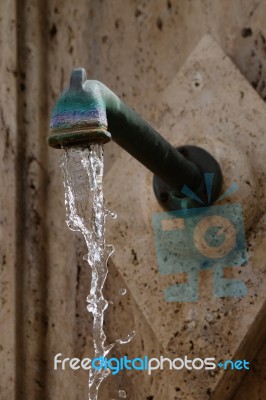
(85, 111)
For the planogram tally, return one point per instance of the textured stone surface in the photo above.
(138, 52)
(136, 48)
(209, 104)
(8, 152)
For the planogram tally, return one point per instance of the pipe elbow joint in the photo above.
(87, 110)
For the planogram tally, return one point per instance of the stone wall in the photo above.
(136, 48)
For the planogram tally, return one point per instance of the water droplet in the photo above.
(71, 225)
(129, 337)
(112, 214)
(102, 304)
(109, 250)
(122, 292)
(90, 298)
(122, 394)
(91, 308)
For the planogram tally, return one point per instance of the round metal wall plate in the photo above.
(171, 199)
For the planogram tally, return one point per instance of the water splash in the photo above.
(122, 292)
(83, 174)
(128, 339)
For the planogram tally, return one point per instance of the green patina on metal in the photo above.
(79, 114)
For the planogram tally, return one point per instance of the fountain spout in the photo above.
(88, 112)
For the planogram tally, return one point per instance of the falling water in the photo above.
(83, 173)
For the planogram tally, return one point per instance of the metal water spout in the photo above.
(88, 112)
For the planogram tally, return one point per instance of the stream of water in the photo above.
(86, 213)
(83, 176)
